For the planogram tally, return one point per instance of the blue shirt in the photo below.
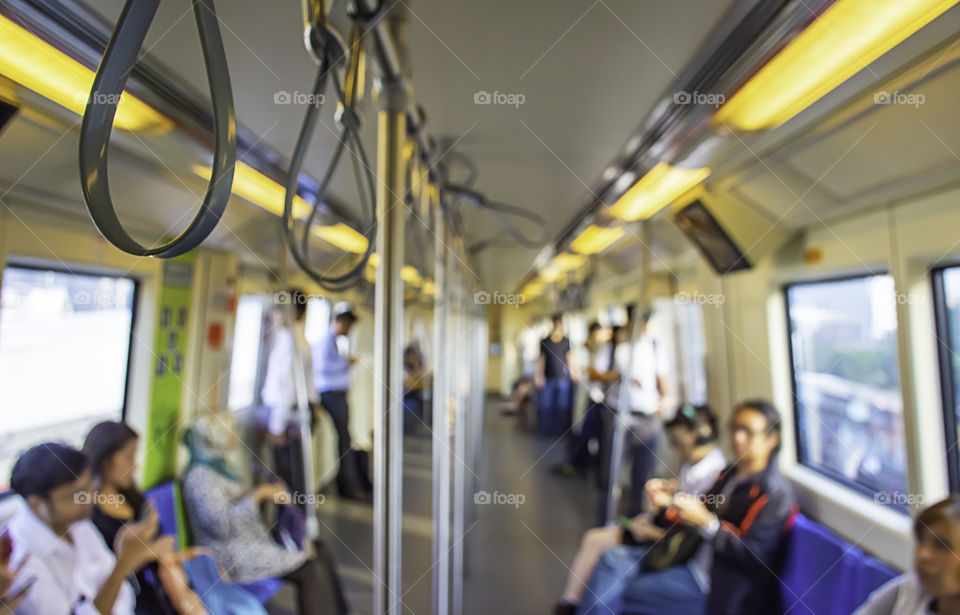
(331, 368)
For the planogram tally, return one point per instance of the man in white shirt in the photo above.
(645, 387)
(66, 564)
(289, 353)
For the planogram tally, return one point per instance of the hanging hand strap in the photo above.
(117, 63)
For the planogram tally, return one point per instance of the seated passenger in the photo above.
(225, 517)
(164, 586)
(71, 569)
(934, 586)
(741, 524)
(692, 432)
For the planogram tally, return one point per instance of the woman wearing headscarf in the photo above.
(225, 517)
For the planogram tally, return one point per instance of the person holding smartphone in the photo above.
(693, 434)
(72, 568)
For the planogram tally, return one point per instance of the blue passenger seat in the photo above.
(167, 500)
(826, 575)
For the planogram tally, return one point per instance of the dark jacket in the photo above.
(748, 549)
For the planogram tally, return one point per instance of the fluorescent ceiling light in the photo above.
(560, 265)
(39, 66)
(342, 236)
(846, 38)
(655, 190)
(255, 187)
(411, 276)
(595, 239)
(532, 290)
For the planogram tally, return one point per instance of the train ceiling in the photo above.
(588, 74)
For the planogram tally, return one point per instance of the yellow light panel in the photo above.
(429, 288)
(532, 290)
(595, 239)
(38, 66)
(561, 264)
(411, 276)
(846, 38)
(662, 185)
(254, 186)
(342, 236)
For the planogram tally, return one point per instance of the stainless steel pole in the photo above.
(388, 359)
(441, 432)
(621, 419)
(459, 439)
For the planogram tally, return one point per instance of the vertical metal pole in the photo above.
(459, 435)
(387, 352)
(621, 419)
(441, 433)
(306, 435)
(478, 362)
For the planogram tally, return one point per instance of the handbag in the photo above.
(677, 546)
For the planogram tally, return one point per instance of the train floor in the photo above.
(517, 547)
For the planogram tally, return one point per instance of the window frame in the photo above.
(80, 270)
(261, 357)
(795, 397)
(948, 388)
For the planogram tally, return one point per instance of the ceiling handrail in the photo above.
(118, 60)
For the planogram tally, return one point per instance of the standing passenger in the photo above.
(414, 383)
(599, 353)
(332, 362)
(645, 387)
(290, 352)
(554, 369)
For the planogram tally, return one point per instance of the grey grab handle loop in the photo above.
(118, 60)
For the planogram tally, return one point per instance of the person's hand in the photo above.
(539, 382)
(644, 531)
(10, 602)
(659, 492)
(177, 587)
(137, 544)
(692, 511)
(272, 492)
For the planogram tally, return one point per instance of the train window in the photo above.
(693, 351)
(245, 362)
(947, 294)
(65, 341)
(846, 383)
(317, 319)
